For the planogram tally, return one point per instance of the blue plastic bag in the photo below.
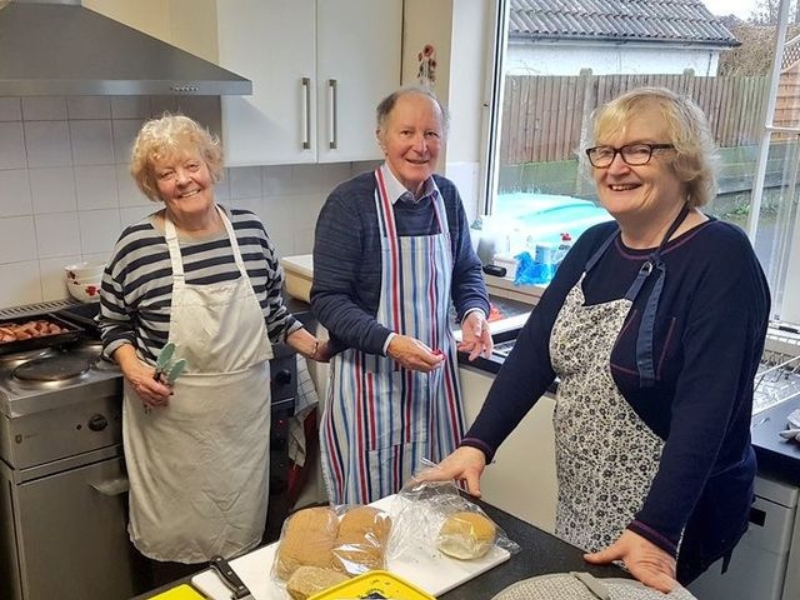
(530, 272)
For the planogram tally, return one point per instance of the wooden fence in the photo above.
(544, 118)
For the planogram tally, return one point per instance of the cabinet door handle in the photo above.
(333, 116)
(307, 120)
(112, 487)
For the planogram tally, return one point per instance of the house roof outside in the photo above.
(672, 21)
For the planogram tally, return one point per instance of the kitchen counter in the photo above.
(540, 553)
(777, 457)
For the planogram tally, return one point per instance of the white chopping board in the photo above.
(432, 571)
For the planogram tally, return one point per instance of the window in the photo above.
(555, 65)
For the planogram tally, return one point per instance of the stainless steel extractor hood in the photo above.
(60, 48)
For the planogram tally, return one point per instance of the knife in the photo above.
(230, 578)
(175, 370)
(163, 359)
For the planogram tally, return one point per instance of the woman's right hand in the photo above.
(466, 465)
(140, 376)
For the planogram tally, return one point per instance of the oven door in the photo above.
(72, 534)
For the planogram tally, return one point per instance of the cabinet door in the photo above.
(272, 43)
(358, 63)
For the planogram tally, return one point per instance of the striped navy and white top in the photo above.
(136, 295)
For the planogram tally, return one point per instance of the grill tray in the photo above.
(73, 332)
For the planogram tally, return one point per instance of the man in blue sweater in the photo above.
(392, 253)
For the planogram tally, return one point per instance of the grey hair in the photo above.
(386, 106)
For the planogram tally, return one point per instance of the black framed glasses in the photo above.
(634, 155)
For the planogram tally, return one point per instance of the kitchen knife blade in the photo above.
(175, 370)
(230, 578)
(163, 358)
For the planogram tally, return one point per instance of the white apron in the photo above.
(381, 419)
(198, 468)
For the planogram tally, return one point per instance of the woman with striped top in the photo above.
(207, 279)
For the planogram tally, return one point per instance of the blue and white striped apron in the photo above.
(381, 419)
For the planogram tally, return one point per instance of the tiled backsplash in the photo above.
(66, 194)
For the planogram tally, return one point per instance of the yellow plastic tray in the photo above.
(374, 584)
(182, 592)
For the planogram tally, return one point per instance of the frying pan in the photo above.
(71, 333)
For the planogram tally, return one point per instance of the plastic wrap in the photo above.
(347, 539)
(421, 511)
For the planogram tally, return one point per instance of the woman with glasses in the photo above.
(654, 326)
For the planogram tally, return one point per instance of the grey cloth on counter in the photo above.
(583, 586)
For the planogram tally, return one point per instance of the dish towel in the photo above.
(305, 402)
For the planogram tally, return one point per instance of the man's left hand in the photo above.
(644, 560)
(475, 336)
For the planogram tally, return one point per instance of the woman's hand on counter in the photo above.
(644, 560)
(476, 337)
(465, 465)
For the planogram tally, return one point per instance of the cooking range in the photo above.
(63, 494)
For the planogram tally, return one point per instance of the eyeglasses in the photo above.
(634, 155)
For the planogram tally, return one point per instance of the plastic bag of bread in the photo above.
(321, 546)
(307, 539)
(434, 518)
(362, 540)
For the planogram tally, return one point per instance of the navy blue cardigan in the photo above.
(709, 337)
(347, 260)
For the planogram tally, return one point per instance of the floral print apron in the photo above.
(606, 456)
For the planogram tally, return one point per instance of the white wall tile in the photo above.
(48, 144)
(92, 142)
(15, 193)
(307, 179)
(245, 182)
(303, 241)
(21, 284)
(89, 107)
(129, 215)
(130, 107)
(333, 175)
(305, 210)
(96, 187)
(127, 190)
(12, 146)
(10, 109)
(125, 132)
(53, 190)
(222, 189)
(44, 108)
(276, 180)
(99, 230)
(51, 271)
(17, 239)
(58, 234)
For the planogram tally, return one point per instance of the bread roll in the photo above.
(308, 539)
(361, 543)
(466, 535)
(307, 581)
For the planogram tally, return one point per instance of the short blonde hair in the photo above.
(695, 157)
(164, 138)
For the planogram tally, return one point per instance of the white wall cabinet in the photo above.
(318, 68)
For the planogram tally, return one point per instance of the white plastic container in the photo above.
(299, 274)
(508, 262)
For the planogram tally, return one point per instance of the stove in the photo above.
(63, 502)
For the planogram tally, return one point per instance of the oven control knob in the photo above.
(283, 377)
(98, 422)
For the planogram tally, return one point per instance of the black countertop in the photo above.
(777, 457)
(540, 553)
